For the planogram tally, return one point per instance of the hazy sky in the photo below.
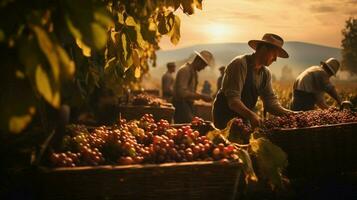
(314, 21)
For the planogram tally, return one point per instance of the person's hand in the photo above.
(206, 98)
(255, 121)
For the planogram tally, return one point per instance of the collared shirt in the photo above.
(186, 82)
(234, 79)
(167, 83)
(313, 80)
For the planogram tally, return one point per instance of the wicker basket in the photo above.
(136, 112)
(318, 150)
(191, 180)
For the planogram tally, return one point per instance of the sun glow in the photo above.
(219, 32)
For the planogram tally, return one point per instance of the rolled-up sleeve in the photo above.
(269, 98)
(233, 80)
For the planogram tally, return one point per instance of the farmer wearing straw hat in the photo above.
(186, 84)
(310, 86)
(246, 78)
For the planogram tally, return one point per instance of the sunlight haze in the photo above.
(313, 21)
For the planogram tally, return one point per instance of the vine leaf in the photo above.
(19, 123)
(271, 160)
(175, 31)
(48, 49)
(86, 51)
(44, 88)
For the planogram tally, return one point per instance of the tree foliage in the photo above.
(47, 45)
(349, 45)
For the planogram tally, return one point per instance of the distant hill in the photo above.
(302, 55)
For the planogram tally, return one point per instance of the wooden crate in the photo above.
(190, 180)
(319, 150)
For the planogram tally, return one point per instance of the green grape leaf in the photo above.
(43, 85)
(247, 165)
(47, 48)
(175, 31)
(19, 123)
(99, 38)
(124, 45)
(86, 51)
(271, 160)
(67, 65)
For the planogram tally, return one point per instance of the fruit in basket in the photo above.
(137, 142)
(203, 127)
(312, 118)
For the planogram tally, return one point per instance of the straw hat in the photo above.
(206, 56)
(332, 64)
(272, 39)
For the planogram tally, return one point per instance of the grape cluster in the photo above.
(145, 100)
(311, 118)
(140, 141)
(203, 127)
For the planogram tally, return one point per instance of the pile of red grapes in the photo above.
(312, 118)
(138, 142)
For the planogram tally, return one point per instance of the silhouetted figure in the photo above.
(168, 80)
(206, 89)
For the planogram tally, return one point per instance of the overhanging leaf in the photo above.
(175, 31)
(102, 17)
(130, 21)
(85, 49)
(75, 31)
(19, 123)
(44, 88)
(67, 65)
(48, 49)
(99, 35)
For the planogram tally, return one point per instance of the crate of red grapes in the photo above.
(140, 159)
(144, 103)
(317, 142)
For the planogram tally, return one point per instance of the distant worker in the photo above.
(168, 80)
(206, 89)
(310, 86)
(220, 78)
(186, 85)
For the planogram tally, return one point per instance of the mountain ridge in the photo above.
(302, 56)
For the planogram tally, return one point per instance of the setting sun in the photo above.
(218, 32)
